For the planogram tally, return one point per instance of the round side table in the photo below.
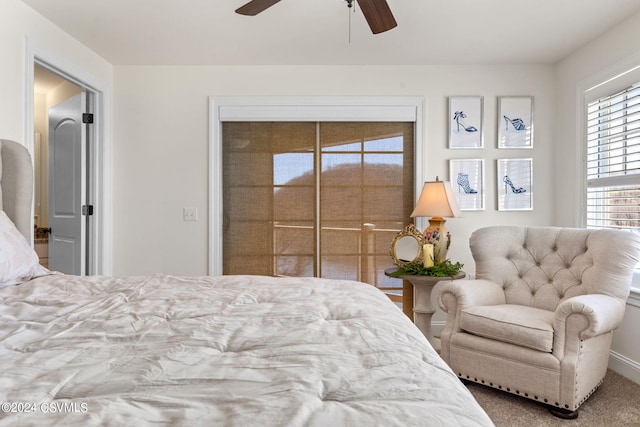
(422, 308)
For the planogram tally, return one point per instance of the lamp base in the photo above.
(438, 235)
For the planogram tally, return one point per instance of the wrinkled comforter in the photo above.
(218, 351)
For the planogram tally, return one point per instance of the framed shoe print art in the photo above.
(465, 121)
(515, 122)
(515, 184)
(467, 181)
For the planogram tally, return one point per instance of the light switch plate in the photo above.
(190, 214)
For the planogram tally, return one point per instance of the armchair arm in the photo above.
(583, 317)
(462, 293)
(602, 312)
(456, 295)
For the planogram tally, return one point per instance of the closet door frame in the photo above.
(291, 109)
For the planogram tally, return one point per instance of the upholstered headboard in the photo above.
(16, 184)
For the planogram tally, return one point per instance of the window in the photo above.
(613, 160)
(315, 198)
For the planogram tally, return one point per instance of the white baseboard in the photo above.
(437, 328)
(618, 363)
(624, 366)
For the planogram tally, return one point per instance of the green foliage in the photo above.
(444, 269)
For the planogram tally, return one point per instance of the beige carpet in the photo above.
(615, 404)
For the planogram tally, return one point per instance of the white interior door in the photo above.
(67, 186)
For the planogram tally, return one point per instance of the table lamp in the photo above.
(436, 201)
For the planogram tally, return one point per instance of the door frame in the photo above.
(99, 182)
(301, 108)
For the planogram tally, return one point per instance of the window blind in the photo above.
(613, 160)
(318, 199)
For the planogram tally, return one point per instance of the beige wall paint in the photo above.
(40, 126)
(160, 135)
(161, 145)
(18, 23)
(24, 33)
(604, 58)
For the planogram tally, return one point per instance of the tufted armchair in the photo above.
(538, 319)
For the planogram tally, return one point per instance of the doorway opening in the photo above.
(62, 173)
(298, 109)
(97, 194)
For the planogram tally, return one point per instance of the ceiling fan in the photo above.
(376, 12)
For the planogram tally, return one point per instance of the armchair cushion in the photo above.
(515, 324)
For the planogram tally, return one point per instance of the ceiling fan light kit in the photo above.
(376, 12)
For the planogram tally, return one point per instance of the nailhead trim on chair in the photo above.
(542, 275)
(546, 401)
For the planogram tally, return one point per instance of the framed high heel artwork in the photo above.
(515, 122)
(465, 121)
(467, 176)
(515, 184)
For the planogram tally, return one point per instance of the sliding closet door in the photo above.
(366, 196)
(268, 198)
(315, 199)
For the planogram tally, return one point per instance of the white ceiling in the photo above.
(313, 32)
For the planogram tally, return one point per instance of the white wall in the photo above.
(24, 34)
(160, 136)
(602, 59)
(161, 144)
(17, 23)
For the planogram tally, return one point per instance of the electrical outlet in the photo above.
(190, 214)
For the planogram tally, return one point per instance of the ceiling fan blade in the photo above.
(254, 7)
(378, 15)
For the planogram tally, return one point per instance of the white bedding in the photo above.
(219, 351)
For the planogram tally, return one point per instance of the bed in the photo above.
(223, 350)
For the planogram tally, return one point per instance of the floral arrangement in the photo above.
(442, 269)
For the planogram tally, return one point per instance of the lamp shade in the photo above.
(436, 200)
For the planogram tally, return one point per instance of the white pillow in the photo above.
(18, 261)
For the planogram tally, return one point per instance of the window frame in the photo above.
(607, 82)
(612, 156)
